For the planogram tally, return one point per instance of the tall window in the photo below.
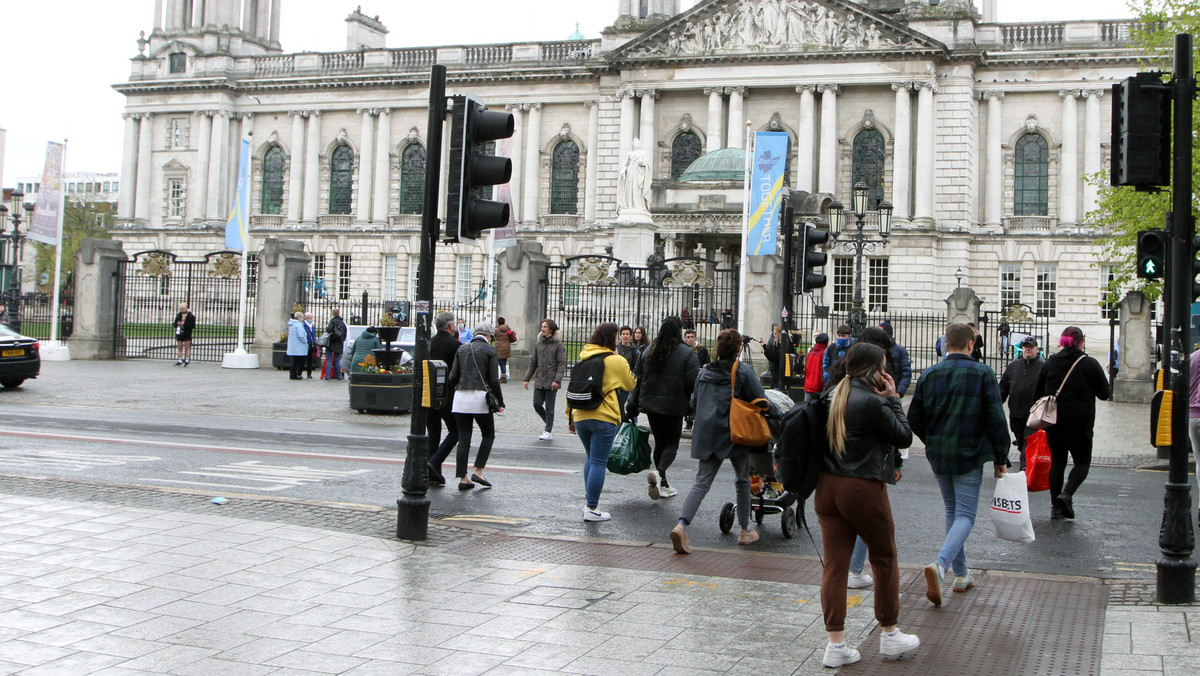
(179, 133)
(1031, 177)
(178, 62)
(176, 197)
(843, 283)
(877, 285)
(413, 269)
(343, 277)
(341, 179)
(867, 164)
(251, 275)
(412, 179)
(1010, 284)
(466, 290)
(564, 178)
(1108, 272)
(272, 190)
(389, 277)
(318, 263)
(1047, 289)
(685, 149)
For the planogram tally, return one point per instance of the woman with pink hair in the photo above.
(1079, 381)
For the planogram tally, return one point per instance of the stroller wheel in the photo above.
(789, 523)
(726, 521)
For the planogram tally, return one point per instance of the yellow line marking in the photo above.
(854, 600)
(1126, 565)
(533, 572)
(489, 518)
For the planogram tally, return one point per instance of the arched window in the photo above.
(867, 164)
(412, 179)
(564, 178)
(272, 185)
(341, 179)
(684, 150)
(1031, 176)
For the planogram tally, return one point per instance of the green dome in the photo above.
(576, 35)
(726, 164)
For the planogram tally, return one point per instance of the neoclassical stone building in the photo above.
(979, 134)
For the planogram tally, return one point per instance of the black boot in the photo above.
(1068, 505)
(1056, 509)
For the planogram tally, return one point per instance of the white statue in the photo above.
(633, 183)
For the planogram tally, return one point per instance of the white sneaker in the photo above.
(652, 479)
(666, 491)
(934, 581)
(840, 657)
(590, 514)
(546, 436)
(859, 580)
(898, 645)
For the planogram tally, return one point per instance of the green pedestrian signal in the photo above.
(1151, 253)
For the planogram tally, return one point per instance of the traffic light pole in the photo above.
(412, 509)
(784, 345)
(1177, 569)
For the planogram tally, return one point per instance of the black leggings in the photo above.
(666, 430)
(466, 427)
(1063, 441)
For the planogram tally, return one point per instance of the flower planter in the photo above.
(387, 358)
(387, 334)
(279, 356)
(390, 392)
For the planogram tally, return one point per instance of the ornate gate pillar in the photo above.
(97, 291)
(281, 264)
(1135, 378)
(962, 306)
(521, 285)
(763, 296)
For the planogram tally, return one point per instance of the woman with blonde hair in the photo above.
(185, 322)
(866, 420)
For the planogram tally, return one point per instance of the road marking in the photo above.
(523, 469)
(489, 518)
(1134, 567)
(71, 460)
(276, 477)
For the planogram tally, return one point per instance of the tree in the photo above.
(1123, 211)
(81, 220)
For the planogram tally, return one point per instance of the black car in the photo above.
(19, 358)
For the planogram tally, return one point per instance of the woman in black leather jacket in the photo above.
(866, 421)
(666, 374)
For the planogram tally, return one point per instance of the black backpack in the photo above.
(585, 390)
(802, 445)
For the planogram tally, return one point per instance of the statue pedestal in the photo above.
(633, 241)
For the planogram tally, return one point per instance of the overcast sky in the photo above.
(61, 57)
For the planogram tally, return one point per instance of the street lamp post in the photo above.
(13, 243)
(859, 244)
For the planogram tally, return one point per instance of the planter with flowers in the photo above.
(381, 383)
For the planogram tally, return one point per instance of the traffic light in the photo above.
(1151, 253)
(811, 258)
(1141, 132)
(468, 214)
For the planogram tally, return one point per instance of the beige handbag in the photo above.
(1044, 411)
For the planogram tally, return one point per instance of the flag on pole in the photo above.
(45, 225)
(235, 229)
(766, 187)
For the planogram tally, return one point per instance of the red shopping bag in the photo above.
(1037, 462)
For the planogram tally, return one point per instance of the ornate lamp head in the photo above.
(858, 201)
(885, 219)
(837, 217)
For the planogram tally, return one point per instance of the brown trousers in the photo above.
(856, 507)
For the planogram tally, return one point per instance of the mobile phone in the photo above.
(876, 380)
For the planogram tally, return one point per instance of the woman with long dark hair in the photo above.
(641, 339)
(475, 374)
(1072, 434)
(865, 422)
(666, 375)
(598, 427)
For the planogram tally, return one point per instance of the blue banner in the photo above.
(766, 186)
(235, 228)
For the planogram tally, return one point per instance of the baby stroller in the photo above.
(767, 495)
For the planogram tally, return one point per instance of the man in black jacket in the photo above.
(442, 347)
(1017, 385)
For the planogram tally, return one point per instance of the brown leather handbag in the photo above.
(747, 419)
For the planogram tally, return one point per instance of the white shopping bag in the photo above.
(1010, 509)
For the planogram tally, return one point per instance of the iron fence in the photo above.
(365, 309)
(30, 313)
(917, 331)
(1017, 321)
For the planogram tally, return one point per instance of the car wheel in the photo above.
(12, 383)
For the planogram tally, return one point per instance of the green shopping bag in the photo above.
(630, 450)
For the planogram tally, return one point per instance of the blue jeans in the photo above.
(597, 437)
(858, 558)
(960, 493)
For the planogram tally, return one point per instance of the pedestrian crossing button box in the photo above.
(434, 391)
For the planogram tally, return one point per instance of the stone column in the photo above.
(827, 181)
(628, 121)
(249, 16)
(171, 19)
(96, 293)
(590, 172)
(737, 117)
(533, 164)
(218, 165)
(1135, 379)
(262, 22)
(646, 129)
(366, 163)
(129, 167)
(158, 11)
(1091, 146)
(715, 119)
(383, 166)
(199, 187)
(281, 265)
(312, 167)
(274, 19)
(923, 198)
(296, 167)
(902, 153)
(141, 208)
(520, 273)
(962, 306)
(763, 294)
(518, 160)
(806, 133)
(993, 205)
(1068, 166)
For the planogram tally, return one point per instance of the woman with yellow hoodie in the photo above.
(597, 427)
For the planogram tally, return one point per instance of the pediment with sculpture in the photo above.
(730, 27)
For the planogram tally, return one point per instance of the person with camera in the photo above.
(475, 381)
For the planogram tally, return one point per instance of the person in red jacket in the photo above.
(814, 383)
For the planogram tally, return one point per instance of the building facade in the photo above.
(979, 133)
